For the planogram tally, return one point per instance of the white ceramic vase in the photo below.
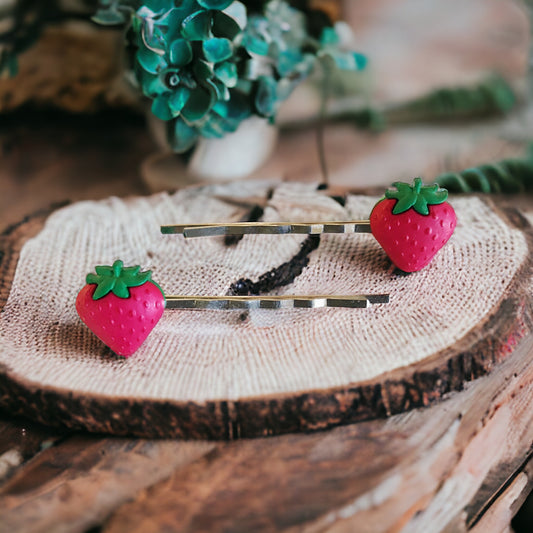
(235, 156)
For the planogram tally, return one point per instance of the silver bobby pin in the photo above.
(228, 303)
(266, 228)
(131, 293)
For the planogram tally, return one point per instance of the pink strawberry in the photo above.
(121, 305)
(412, 223)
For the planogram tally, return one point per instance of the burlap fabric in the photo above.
(199, 355)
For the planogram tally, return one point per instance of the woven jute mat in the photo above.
(213, 374)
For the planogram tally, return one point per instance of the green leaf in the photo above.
(216, 126)
(199, 104)
(404, 203)
(182, 136)
(222, 91)
(361, 60)
(217, 49)
(215, 4)
(266, 97)
(160, 107)
(178, 99)
(158, 6)
(350, 61)
(477, 176)
(225, 26)
(435, 196)
(455, 182)
(202, 70)
(91, 278)
(154, 85)
(117, 267)
(227, 73)
(288, 62)
(342, 60)
(135, 280)
(417, 196)
(180, 53)
(197, 27)
(237, 109)
(255, 45)
(121, 289)
(173, 18)
(117, 279)
(238, 12)
(329, 37)
(104, 270)
(105, 286)
(150, 61)
(132, 271)
(403, 188)
(421, 205)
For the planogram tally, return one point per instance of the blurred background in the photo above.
(74, 127)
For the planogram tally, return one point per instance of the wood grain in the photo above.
(374, 476)
(77, 484)
(501, 506)
(20, 440)
(423, 471)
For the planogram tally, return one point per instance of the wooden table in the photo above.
(463, 464)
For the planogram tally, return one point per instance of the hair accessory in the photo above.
(121, 305)
(411, 223)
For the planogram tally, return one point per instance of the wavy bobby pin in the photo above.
(412, 223)
(121, 305)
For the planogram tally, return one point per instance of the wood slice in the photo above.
(223, 375)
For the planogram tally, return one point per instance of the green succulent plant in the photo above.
(207, 65)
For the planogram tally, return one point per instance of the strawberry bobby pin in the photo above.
(122, 305)
(411, 223)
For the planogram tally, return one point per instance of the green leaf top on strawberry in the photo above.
(121, 305)
(412, 223)
(117, 279)
(417, 196)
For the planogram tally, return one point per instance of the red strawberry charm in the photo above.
(412, 223)
(121, 305)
